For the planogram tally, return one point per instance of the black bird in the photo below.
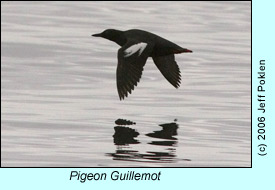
(136, 47)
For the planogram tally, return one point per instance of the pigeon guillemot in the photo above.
(137, 46)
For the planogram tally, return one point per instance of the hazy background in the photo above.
(59, 100)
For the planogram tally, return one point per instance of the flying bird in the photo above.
(136, 47)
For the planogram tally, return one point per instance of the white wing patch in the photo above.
(134, 48)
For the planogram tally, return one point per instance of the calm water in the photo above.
(59, 101)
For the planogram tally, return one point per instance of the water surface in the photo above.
(59, 101)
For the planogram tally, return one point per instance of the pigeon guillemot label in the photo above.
(136, 47)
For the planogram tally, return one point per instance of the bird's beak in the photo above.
(188, 51)
(97, 35)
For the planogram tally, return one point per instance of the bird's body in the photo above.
(161, 46)
(136, 47)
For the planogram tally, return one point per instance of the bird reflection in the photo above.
(168, 131)
(124, 122)
(135, 156)
(163, 143)
(125, 136)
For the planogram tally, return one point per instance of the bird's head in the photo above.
(110, 34)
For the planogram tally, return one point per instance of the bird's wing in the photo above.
(169, 68)
(131, 59)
